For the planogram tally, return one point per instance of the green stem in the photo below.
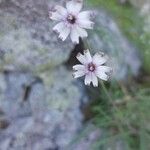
(106, 92)
(86, 44)
(113, 104)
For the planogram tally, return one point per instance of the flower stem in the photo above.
(106, 92)
(87, 45)
(114, 106)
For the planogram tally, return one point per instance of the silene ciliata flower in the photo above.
(92, 67)
(71, 21)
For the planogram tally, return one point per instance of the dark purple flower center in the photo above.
(71, 19)
(91, 67)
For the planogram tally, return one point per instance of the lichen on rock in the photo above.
(29, 44)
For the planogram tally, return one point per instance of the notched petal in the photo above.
(78, 74)
(78, 67)
(87, 56)
(74, 6)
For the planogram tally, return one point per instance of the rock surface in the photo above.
(48, 114)
(27, 39)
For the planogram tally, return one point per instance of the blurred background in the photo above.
(43, 108)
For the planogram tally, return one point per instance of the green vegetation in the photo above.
(124, 112)
(122, 109)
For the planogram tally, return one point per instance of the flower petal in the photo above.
(105, 69)
(58, 27)
(94, 80)
(61, 10)
(74, 6)
(64, 33)
(83, 20)
(81, 58)
(82, 32)
(78, 73)
(101, 72)
(85, 15)
(77, 32)
(102, 76)
(88, 79)
(74, 36)
(79, 67)
(63, 30)
(99, 59)
(87, 24)
(55, 16)
(58, 14)
(87, 56)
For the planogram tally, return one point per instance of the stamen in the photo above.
(71, 19)
(91, 67)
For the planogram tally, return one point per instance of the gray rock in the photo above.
(27, 39)
(2, 86)
(50, 112)
(13, 102)
(62, 106)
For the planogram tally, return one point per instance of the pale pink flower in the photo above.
(92, 67)
(71, 21)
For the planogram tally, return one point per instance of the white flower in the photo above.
(92, 67)
(71, 21)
